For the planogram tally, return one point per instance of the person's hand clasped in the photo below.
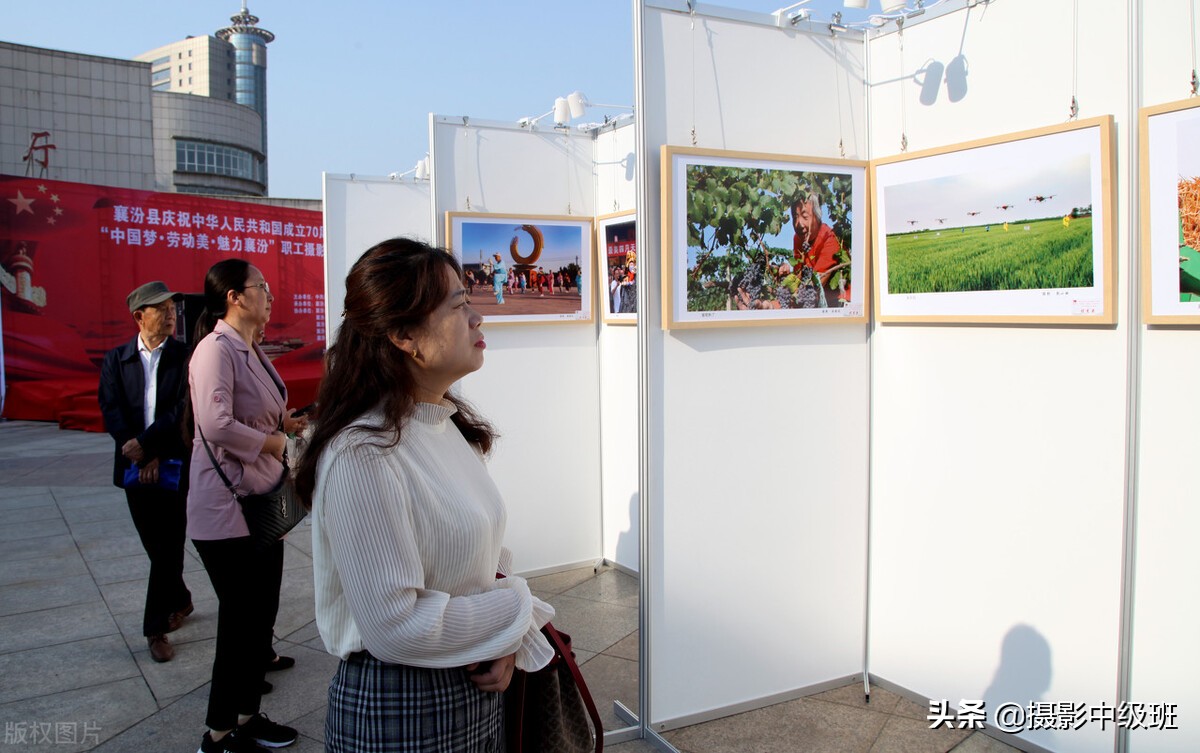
(148, 474)
(275, 445)
(497, 675)
(133, 450)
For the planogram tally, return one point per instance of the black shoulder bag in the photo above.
(271, 515)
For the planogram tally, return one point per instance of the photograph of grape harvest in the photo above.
(764, 239)
(995, 230)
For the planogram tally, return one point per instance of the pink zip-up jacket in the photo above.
(238, 400)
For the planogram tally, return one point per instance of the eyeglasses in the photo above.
(265, 287)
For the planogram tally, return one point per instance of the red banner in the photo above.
(70, 253)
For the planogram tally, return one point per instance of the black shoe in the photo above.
(266, 688)
(280, 662)
(267, 733)
(231, 743)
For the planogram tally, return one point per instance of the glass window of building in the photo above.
(218, 159)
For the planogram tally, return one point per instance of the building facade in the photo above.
(186, 117)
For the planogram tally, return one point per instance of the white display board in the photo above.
(615, 159)
(361, 211)
(1165, 652)
(540, 382)
(998, 468)
(758, 437)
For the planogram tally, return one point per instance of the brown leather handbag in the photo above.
(547, 711)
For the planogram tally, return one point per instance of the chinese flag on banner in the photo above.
(70, 253)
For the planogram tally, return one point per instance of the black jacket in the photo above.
(121, 396)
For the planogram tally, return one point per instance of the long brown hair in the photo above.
(394, 286)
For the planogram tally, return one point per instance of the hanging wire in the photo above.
(467, 136)
(903, 108)
(837, 81)
(1192, 26)
(1075, 63)
(567, 172)
(691, 11)
(612, 145)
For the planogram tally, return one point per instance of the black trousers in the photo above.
(247, 581)
(160, 516)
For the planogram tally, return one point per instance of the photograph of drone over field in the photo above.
(1000, 229)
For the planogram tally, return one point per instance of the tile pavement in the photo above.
(78, 675)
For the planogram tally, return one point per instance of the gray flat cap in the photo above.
(150, 294)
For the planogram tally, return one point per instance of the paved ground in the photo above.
(77, 674)
(530, 303)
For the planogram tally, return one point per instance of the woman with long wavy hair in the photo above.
(407, 523)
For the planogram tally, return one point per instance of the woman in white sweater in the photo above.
(407, 523)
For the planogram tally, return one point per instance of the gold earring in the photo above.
(416, 354)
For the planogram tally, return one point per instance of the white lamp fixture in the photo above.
(855, 3)
(891, 6)
(577, 103)
(419, 172)
(562, 111)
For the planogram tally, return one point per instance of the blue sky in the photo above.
(562, 243)
(351, 84)
(951, 197)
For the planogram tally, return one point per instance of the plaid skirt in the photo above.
(376, 707)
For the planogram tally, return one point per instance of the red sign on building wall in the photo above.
(70, 253)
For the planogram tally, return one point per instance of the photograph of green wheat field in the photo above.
(994, 230)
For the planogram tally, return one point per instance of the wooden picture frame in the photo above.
(616, 267)
(528, 245)
(732, 255)
(1017, 228)
(1170, 208)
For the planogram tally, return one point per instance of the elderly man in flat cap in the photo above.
(143, 389)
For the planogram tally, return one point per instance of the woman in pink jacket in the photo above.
(238, 401)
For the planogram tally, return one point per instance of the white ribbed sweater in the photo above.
(406, 545)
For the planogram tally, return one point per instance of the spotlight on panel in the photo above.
(891, 6)
(796, 16)
(577, 103)
(562, 111)
(856, 3)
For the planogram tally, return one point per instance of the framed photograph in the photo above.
(762, 239)
(525, 268)
(1016, 228)
(1170, 199)
(616, 239)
